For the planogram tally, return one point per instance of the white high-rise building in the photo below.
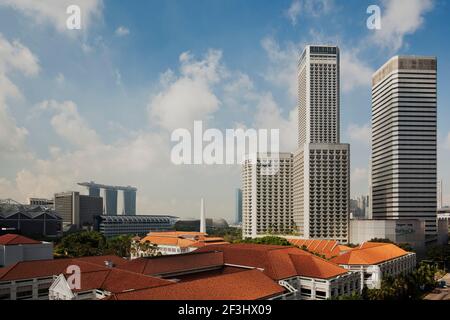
(267, 199)
(321, 165)
(404, 104)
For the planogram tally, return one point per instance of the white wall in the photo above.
(26, 252)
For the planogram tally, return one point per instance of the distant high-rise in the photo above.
(267, 199)
(110, 194)
(76, 209)
(238, 200)
(404, 104)
(321, 177)
(202, 216)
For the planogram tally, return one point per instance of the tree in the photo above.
(272, 240)
(81, 244)
(119, 246)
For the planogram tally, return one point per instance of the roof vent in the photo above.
(109, 264)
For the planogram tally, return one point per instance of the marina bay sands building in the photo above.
(110, 194)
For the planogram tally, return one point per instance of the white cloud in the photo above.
(269, 116)
(13, 57)
(122, 31)
(399, 19)
(53, 12)
(448, 141)
(354, 72)
(60, 79)
(188, 97)
(68, 123)
(282, 70)
(312, 8)
(361, 134)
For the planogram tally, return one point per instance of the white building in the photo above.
(404, 104)
(267, 199)
(321, 165)
(376, 261)
(16, 248)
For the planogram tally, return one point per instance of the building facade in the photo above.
(321, 181)
(15, 248)
(404, 105)
(267, 198)
(111, 226)
(238, 204)
(78, 210)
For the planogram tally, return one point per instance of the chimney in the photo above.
(202, 217)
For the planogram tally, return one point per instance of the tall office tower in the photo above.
(76, 209)
(94, 191)
(321, 188)
(238, 199)
(404, 151)
(439, 195)
(110, 202)
(129, 202)
(267, 199)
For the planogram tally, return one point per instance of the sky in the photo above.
(100, 103)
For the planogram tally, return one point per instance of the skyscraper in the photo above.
(238, 199)
(267, 199)
(404, 149)
(321, 164)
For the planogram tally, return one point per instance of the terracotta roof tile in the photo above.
(15, 239)
(370, 254)
(174, 263)
(246, 285)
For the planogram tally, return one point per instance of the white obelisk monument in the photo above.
(202, 217)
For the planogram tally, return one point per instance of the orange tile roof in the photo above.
(245, 285)
(115, 281)
(277, 261)
(16, 239)
(47, 268)
(181, 239)
(174, 263)
(328, 248)
(370, 253)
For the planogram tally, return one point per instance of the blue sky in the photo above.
(100, 103)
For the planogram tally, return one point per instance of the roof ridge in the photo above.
(9, 269)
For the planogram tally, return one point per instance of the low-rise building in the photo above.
(111, 226)
(325, 248)
(303, 274)
(31, 221)
(375, 261)
(31, 280)
(15, 248)
(176, 242)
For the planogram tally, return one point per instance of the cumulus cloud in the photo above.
(13, 57)
(67, 123)
(122, 31)
(53, 12)
(312, 8)
(399, 19)
(360, 134)
(189, 96)
(354, 72)
(282, 70)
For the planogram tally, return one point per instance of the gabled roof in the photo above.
(245, 285)
(182, 239)
(16, 239)
(174, 263)
(277, 262)
(370, 253)
(328, 248)
(115, 281)
(47, 268)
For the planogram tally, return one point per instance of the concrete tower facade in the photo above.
(321, 177)
(404, 151)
